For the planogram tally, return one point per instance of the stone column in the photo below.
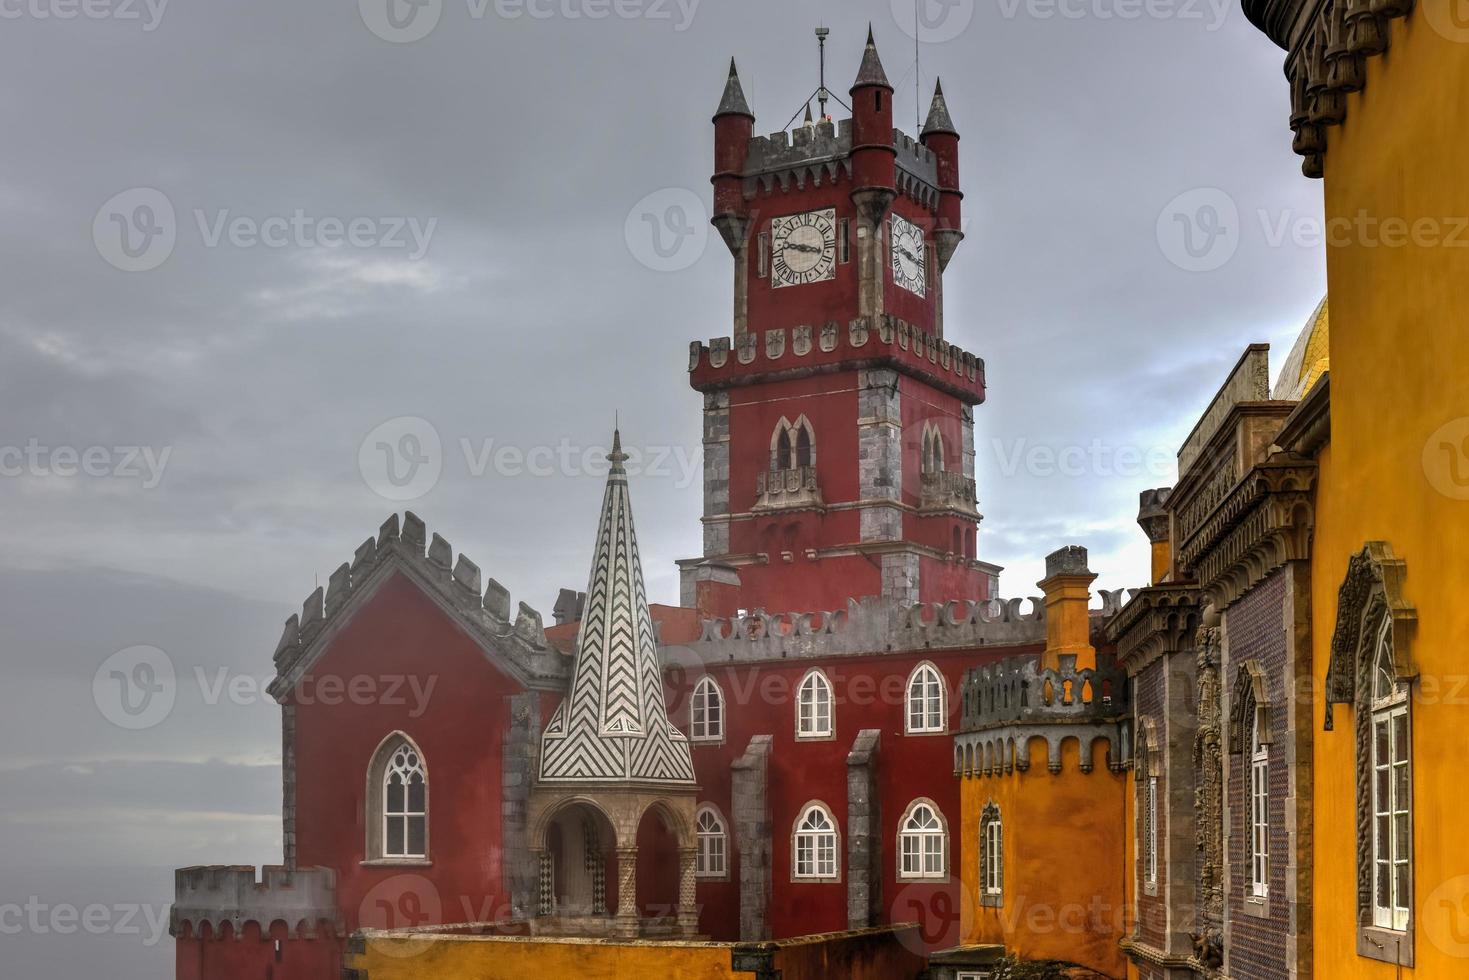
(749, 776)
(864, 833)
(541, 901)
(688, 902)
(627, 891)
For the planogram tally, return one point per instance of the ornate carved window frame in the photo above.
(991, 856)
(1148, 778)
(1371, 612)
(375, 804)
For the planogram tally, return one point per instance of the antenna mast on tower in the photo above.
(821, 93)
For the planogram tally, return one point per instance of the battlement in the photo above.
(304, 899)
(824, 152)
(1020, 690)
(867, 626)
(867, 342)
(455, 585)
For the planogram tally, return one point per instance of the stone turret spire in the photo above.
(871, 71)
(733, 103)
(613, 725)
(938, 113)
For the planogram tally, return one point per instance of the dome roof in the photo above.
(1308, 360)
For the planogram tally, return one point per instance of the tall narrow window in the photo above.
(925, 700)
(991, 856)
(712, 859)
(1150, 832)
(706, 712)
(803, 446)
(404, 789)
(1259, 848)
(813, 707)
(762, 256)
(1392, 791)
(844, 241)
(816, 843)
(922, 843)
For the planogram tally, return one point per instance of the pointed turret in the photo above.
(938, 114)
(871, 72)
(613, 725)
(733, 103)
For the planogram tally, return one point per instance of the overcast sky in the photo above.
(195, 381)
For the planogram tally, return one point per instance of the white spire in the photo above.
(613, 725)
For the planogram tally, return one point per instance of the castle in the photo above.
(844, 753)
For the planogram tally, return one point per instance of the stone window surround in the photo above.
(799, 879)
(374, 803)
(988, 816)
(941, 878)
(943, 728)
(817, 736)
(1148, 761)
(713, 810)
(1250, 710)
(723, 713)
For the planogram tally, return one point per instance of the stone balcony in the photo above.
(941, 490)
(788, 489)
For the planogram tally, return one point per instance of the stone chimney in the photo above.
(1154, 519)
(1067, 586)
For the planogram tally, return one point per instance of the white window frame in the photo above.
(1259, 789)
(812, 695)
(1392, 777)
(1150, 832)
(816, 849)
(706, 725)
(711, 861)
(923, 844)
(406, 761)
(992, 854)
(926, 713)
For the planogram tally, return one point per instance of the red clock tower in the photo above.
(838, 421)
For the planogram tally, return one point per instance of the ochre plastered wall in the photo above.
(1393, 472)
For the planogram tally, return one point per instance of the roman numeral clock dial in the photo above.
(909, 256)
(803, 248)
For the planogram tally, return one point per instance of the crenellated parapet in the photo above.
(869, 626)
(303, 899)
(865, 343)
(517, 640)
(822, 153)
(1007, 705)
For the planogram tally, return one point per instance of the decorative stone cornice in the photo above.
(1327, 44)
(1159, 620)
(1307, 429)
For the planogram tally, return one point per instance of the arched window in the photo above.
(805, 451)
(925, 712)
(783, 453)
(706, 712)
(933, 449)
(712, 860)
(813, 707)
(991, 856)
(793, 445)
(815, 844)
(1392, 789)
(923, 843)
(1259, 843)
(397, 802)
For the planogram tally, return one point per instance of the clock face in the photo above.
(803, 248)
(909, 256)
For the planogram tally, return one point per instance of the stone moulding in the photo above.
(1158, 620)
(305, 899)
(519, 644)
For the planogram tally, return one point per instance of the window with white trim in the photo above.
(816, 844)
(991, 856)
(706, 712)
(405, 804)
(813, 707)
(1150, 832)
(1259, 843)
(922, 843)
(712, 859)
(1392, 791)
(925, 700)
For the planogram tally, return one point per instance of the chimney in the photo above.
(1067, 586)
(1154, 519)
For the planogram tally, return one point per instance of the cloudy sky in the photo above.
(246, 244)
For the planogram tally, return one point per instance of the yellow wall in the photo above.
(1067, 860)
(1399, 374)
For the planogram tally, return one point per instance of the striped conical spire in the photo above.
(613, 725)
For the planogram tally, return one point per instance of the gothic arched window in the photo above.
(712, 860)
(1259, 843)
(793, 445)
(991, 856)
(1392, 791)
(397, 802)
(923, 842)
(706, 712)
(815, 844)
(925, 702)
(813, 707)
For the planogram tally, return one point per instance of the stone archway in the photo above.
(667, 853)
(577, 848)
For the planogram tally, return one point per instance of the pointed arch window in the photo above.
(815, 844)
(793, 445)
(925, 702)
(991, 856)
(933, 450)
(923, 843)
(1392, 791)
(814, 707)
(706, 712)
(712, 860)
(1259, 844)
(397, 802)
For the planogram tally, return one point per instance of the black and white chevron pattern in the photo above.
(614, 724)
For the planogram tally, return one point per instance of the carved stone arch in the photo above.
(1371, 594)
(1249, 705)
(1149, 757)
(547, 815)
(675, 815)
(373, 800)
